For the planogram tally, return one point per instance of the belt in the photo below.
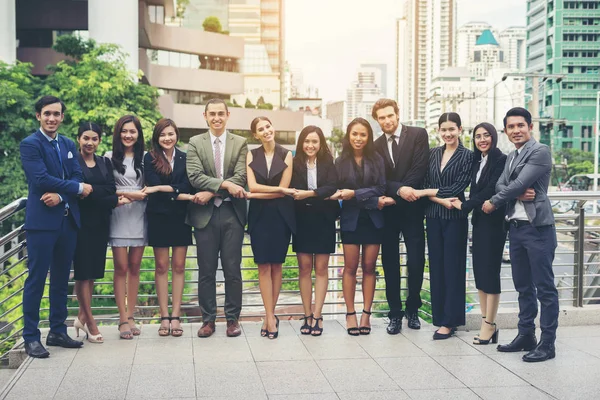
(66, 212)
(517, 223)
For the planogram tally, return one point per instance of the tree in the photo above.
(249, 104)
(577, 161)
(260, 101)
(212, 24)
(97, 86)
(335, 140)
(18, 93)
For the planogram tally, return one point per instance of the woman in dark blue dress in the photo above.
(361, 177)
(168, 191)
(271, 219)
(314, 179)
(448, 176)
(92, 238)
(489, 235)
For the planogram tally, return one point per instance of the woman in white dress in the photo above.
(128, 235)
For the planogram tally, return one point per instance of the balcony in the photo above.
(40, 57)
(199, 80)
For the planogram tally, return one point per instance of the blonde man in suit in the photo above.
(216, 167)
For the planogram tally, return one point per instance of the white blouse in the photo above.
(482, 164)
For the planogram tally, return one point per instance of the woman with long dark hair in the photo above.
(95, 210)
(361, 177)
(448, 176)
(168, 190)
(314, 179)
(128, 235)
(271, 219)
(489, 235)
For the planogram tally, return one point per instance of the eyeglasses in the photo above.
(480, 136)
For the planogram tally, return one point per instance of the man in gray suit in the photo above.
(523, 187)
(216, 167)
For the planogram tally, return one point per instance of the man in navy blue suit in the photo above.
(51, 222)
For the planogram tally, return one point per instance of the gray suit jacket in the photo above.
(203, 177)
(530, 169)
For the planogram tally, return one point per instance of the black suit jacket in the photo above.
(366, 195)
(411, 166)
(326, 186)
(96, 208)
(162, 202)
(486, 187)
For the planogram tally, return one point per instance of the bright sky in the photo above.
(329, 39)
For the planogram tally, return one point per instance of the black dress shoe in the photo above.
(441, 336)
(62, 340)
(520, 343)
(544, 351)
(395, 326)
(413, 321)
(36, 350)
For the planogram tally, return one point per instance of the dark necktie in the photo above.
(395, 148)
(54, 144)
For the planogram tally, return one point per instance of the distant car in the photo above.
(506, 254)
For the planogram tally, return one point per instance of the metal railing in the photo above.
(576, 266)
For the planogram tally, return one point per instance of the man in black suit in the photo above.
(405, 150)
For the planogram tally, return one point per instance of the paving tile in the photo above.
(235, 379)
(356, 375)
(224, 349)
(479, 371)
(94, 379)
(417, 373)
(385, 395)
(59, 357)
(291, 377)
(442, 394)
(308, 396)
(331, 327)
(511, 393)
(158, 351)
(284, 348)
(115, 353)
(578, 331)
(246, 397)
(150, 331)
(389, 346)
(162, 380)
(450, 347)
(35, 384)
(252, 328)
(329, 348)
(589, 345)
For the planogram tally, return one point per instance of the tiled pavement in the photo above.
(335, 366)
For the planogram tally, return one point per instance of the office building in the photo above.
(466, 37)
(513, 43)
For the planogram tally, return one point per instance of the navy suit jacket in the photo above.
(163, 202)
(42, 169)
(366, 195)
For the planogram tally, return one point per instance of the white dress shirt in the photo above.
(482, 165)
(396, 136)
(518, 212)
(311, 177)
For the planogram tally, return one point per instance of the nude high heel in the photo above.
(93, 338)
(78, 325)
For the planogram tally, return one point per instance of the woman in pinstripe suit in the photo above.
(448, 176)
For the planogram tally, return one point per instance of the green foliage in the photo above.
(98, 87)
(249, 104)
(265, 106)
(578, 162)
(335, 140)
(18, 91)
(212, 24)
(181, 7)
(16, 315)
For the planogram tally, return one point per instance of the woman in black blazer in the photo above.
(489, 235)
(271, 219)
(168, 191)
(448, 175)
(92, 238)
(314, 179)
(361, 175)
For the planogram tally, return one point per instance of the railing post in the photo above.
(580, 254)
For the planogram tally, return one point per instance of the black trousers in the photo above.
(531, 257)
(447, 244)
(408, 220)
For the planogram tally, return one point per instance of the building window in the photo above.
(156, 14)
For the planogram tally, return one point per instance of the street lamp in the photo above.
(596, 149)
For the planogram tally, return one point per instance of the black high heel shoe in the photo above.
(306, 329)
(352, 331)
(493, 339)
(365, 330)
(315, 330)
(273, 335)
(477, 337)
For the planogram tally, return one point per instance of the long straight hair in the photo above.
(324, 154)
(160, 162)
(118, 154)
(369, 149)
